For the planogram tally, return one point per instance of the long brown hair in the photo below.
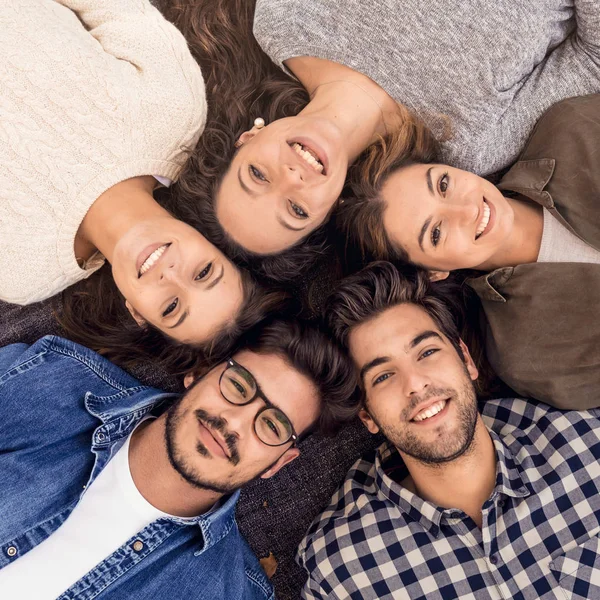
(242, 83)
(360, 217)
(94, 314)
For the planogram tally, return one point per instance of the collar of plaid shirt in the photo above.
(511, 480)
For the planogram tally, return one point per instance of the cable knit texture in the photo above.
(92, 92)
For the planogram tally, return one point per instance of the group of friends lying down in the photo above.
(308, 213)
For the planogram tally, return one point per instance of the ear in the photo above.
(246, 137)
(188, 379)
(471, 368)
(287, 457)
(368, 422)
(135, 314)
(438, 275)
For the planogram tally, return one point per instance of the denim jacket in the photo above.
(64, 410)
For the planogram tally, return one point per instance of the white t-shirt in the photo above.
(560, 245)
(110, 512)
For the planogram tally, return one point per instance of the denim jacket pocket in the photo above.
(577, 571)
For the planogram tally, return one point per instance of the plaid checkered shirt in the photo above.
(540, 529)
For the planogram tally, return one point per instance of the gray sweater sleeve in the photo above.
(571, 69)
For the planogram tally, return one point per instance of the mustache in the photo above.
(430, 393)
(220, 425)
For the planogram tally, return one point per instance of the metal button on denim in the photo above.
(11, 551)
(138, 546)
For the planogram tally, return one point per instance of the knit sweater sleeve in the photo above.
(572, 69)
(93, 92)
(135, 33)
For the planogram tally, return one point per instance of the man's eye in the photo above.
(256, 173)
(272, 426)
(301, 214)
(436, 233)
(382, 378)
(170, 308)
(207, 269)
(428, 353)
(239, 387)
(444, 183)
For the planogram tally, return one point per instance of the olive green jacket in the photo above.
(543, 334)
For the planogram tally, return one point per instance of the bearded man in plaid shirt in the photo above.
(501, 504)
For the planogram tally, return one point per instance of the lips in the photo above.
(149, 257)
(218, 442)
(487, 219)
(429, 410)
(314, 156)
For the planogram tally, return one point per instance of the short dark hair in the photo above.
(380, 286)
(307, 348)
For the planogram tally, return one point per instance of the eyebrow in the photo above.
(182, 318)
(244, 186)
(422, 337)
(288, 226)
(422, 233)
(372, 364)
(429, 182)
(216, 280)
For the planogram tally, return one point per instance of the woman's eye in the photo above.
(207, 269)
(170, 308)
(428, 353)
(257, 173)
(436, 233)
(301, 214)
(444, 182)
(382, 378)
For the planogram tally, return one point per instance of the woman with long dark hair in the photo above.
(529, 247)
(100, 102)
(479, 76)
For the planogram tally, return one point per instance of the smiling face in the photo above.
(174, 279)
(419, 391)
(282, 183)
(445, 218)
(213, 444)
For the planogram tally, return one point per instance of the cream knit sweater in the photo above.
(92, 92)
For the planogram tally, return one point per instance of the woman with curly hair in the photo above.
(321, 80)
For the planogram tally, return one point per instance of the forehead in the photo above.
(389, 333)
(291, 391)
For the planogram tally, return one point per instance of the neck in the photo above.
(360, 109)
(523, 244)
(113, 214)
(156, 479)
(465, 483)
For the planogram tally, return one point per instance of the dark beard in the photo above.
(184, 468)
(448, 449)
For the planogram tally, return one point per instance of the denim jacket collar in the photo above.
(120, 413)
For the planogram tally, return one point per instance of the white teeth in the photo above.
(149, 262)
(430, 411)
(485, 219)
(308, 157)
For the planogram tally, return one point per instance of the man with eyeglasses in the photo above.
(111, 489)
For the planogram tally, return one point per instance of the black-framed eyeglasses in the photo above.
(239, 387)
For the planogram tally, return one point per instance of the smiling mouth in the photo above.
(309, 156)
(430, 411)
(152, 259)
(485, 219)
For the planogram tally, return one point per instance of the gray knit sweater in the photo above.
(489, 69)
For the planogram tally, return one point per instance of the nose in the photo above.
(240, 419)
(292, 176)
(415, 383)
(170, 273)
(462, 211)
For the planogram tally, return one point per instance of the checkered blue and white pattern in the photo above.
(540, 531)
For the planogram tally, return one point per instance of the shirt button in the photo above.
(494, 559)
(455, 515)
(11, 551)
(138, 546)
(501, 502)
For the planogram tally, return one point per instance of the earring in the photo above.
(259, 123)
